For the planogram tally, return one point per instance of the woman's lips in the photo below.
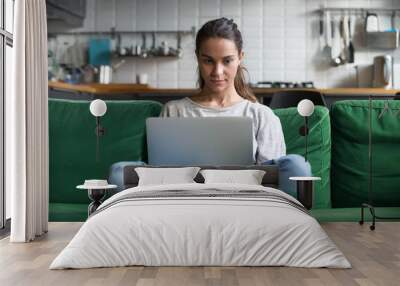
(218, 82)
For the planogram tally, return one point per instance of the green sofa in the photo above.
(342, 171)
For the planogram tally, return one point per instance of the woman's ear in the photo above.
(241, 55)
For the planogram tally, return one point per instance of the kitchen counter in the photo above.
(98, 88)
(358, 91)
(118, 88)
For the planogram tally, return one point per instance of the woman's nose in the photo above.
(218, 69)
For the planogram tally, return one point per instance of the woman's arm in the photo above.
(270, 138)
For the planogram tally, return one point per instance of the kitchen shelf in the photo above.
(359, 10)
(114, 32)
(118, 34)
(116, 55)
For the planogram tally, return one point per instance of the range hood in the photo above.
(66, 13)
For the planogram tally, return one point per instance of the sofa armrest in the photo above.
(116, 175)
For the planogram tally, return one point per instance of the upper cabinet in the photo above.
(66, 13)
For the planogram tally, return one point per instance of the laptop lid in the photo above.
(200, 141)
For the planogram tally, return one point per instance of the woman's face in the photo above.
(218, 61)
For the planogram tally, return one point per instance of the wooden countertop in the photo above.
(344, 91)
(98, 87)
(126, 88)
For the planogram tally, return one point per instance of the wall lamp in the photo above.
(98, 108)
(305, 108)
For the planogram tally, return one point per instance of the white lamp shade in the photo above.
(98, 107)
(305, 107)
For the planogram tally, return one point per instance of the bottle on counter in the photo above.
(105, 74)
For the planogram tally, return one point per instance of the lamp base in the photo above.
(96, 196)
(305, 193)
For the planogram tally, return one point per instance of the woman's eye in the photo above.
(227, 61)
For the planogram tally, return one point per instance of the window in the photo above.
(9, 19)
(6, 43)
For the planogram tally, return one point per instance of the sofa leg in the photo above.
(361, 222)
(372, 211)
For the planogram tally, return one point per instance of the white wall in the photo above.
(281, 41)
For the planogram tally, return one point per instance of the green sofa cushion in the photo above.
(350, 153)
(319, 146)
(72, 143)
(68, 212)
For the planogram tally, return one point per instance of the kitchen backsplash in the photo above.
(281, 38)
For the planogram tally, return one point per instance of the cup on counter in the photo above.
(364, 75)
(142, 78)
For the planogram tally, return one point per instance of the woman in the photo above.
(224, 92)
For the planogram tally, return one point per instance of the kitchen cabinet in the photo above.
(69, 13)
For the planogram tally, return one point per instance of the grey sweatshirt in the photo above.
(268, 141)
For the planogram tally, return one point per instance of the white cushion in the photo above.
(248, 177)
(165, 176)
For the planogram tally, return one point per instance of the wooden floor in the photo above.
(374, 255)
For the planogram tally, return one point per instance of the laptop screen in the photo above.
(200, 141)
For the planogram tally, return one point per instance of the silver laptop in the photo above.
(200, 141)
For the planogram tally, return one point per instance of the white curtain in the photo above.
(27, 124)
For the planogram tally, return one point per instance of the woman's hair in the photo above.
(226, 29)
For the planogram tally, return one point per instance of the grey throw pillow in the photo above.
(248, 177)
(163, 176)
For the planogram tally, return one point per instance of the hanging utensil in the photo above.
(340, 59)
(327, 50)
(351, 46)
(144, 52)
(393, 21)
(343, 40)
(334, 49)
(321, 30)
(346, 38)
(153, 49)
(371, 22)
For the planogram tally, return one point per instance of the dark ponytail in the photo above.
(226, 29)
